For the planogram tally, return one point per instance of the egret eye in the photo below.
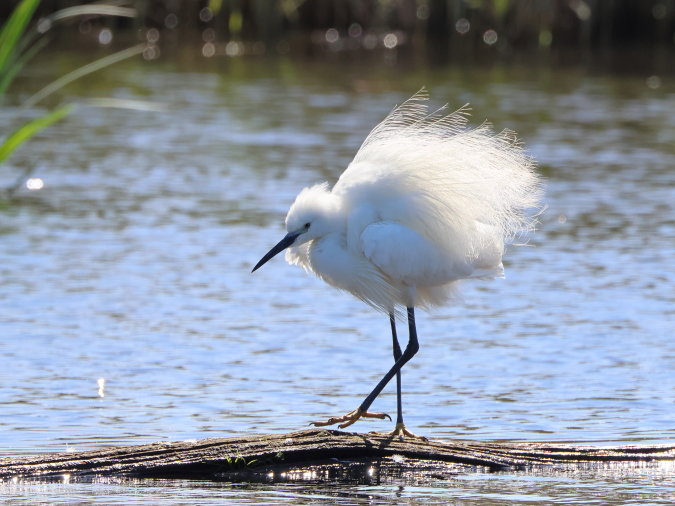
(307, 225)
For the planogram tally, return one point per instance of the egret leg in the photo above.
(400, 430)
(397, 354)
(410, 350)
(362, 411)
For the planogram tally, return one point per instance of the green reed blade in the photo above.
(28, 130)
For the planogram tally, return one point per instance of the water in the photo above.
(132, 265)
(636, 487)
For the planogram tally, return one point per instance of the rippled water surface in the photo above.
(132, 265)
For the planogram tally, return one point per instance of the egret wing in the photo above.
(408, 257)
(429, 172)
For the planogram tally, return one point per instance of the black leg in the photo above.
(410, 350)
(401, 359)
(397, 354)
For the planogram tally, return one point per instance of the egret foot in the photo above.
(350, 418)
(401, 433)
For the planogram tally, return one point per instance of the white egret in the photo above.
(425, 203)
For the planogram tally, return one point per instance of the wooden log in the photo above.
(325, 455)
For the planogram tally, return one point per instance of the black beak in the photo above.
(281, 245)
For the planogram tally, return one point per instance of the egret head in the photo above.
(313, 214)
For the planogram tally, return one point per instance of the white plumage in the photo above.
(425, 202)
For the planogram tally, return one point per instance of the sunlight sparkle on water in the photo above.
(209, 49)
(332, 35)
(462, 26)
(105, 36)
(390, 41)
(490, 37)
(35, 183)
(101, 387)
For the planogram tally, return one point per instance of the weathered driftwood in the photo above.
(324, 455)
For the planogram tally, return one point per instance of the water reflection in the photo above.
(646, 486)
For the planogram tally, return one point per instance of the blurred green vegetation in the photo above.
(19, 43)
(505, 25)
